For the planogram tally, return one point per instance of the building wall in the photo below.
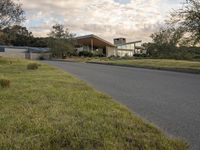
(23, 54)
(36, 56)
(110, 51)
(123, 53)
(14, 53)
(127, 46)
(119, 41)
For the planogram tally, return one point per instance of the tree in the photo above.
(61, 41)
(10, 13)
(165, 42)
(189, 18)
(168, 36)
(16, 35)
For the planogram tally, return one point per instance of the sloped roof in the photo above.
(97, 41)
(30, 49)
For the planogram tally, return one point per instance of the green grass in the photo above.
(179, 65)
(49, 109)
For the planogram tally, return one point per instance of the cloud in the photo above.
(133, 19)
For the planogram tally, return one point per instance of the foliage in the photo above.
(60, 47)
(32, 66)
(86, 54)
(16, 35)
(61, 42)
(188, 18)
(4, 83)
(140, 55)
(98, 54)
(168, 36)
(182, 30)
(10, 13)
(171, 52)
(20, 36)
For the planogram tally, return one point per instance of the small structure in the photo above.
(32, 53)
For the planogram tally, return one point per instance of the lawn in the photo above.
(49, 109)
(166, 64)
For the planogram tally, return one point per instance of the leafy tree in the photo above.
(61, 41)
(39, 42)
(16, 35)
(189, 18)
(167, 42)
(10, 13)
(168, 36)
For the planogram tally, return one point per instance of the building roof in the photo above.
(97, 41)
(134, 42)
(29, 49)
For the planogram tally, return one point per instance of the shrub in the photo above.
(41, 58)
(85, 54)
(33, 66)
(4, 83)
(98, 54)
(140, 55)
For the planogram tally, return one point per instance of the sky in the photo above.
(131, 19)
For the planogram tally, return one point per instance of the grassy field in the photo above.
(179, 65)
(49, 109)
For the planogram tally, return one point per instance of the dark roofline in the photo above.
(32, 49)
(96, 37)
(134, 42)
(119, 38)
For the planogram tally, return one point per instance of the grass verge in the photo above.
(49, 109)
(165, 64)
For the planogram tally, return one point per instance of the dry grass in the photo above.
(49, 109)
(179, 65)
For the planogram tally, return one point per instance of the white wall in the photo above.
(14, 53)
(122, 53)
(15, 50)
(110, 51)
(21, 53)
(36, 56)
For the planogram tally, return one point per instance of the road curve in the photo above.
(171, 100)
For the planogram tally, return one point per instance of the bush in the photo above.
(41, 58)
(85, 54)
(98, 54)
(140, 55)
(5, 83)
(33, 66)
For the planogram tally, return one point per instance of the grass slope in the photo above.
(179, 65)
(49, 109)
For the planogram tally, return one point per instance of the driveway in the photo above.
(171, 100)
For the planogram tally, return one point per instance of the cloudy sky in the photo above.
(132, 19)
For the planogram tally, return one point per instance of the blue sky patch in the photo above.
(123, 1)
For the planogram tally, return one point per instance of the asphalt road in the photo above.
(171, 100)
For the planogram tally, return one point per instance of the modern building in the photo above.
(95, 43)
(128, 49)
(119, 48)
(32, 53)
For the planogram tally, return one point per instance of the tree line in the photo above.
(179, 37)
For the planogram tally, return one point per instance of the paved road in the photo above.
(171, 100)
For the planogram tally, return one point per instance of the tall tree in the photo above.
(168, 36)
(189, 18)
(16, 35)
(61, 41)
(10, 13)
